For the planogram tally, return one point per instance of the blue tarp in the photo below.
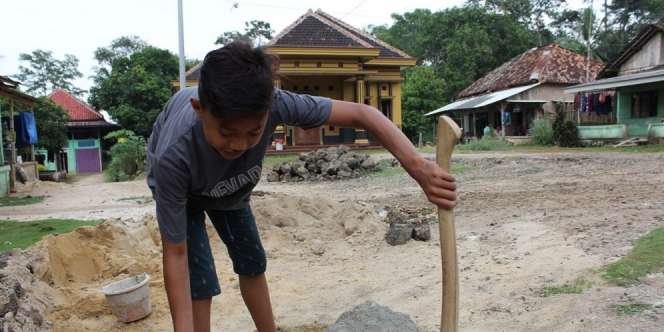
(26, 129)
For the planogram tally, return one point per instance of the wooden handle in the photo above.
(449, 134)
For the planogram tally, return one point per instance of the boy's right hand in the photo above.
(176, 279)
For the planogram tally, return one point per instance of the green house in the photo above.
(16, 101)
(636, 78)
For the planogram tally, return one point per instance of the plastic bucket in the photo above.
(129, 298)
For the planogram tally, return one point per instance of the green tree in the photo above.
(120, 48)
(255, 32)
(623, 20)
(127, 155)
(135, 86)
(531, 13)
(422, 93)
(461, 44)
(51, 120)
(44, 73)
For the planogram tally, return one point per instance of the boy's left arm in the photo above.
(437, 184)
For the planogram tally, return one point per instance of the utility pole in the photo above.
(183, 81)
(590, 31)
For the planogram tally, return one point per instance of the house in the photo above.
(636, 77)
(85, 130)
(523, 88)
(15, 103)
(322, 55)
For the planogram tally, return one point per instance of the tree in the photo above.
(136, 85)
(460, 44)
(421, 94)
(51, 120)
(120, 48)
(44, 73)
(623, 20)
(533, 14)
(255, 32)
(127, 155)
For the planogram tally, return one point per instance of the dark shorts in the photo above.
(238, 231)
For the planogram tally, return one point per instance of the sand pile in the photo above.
(55, 284)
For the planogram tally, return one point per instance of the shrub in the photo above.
(541, 132)
(486, 144)
(565, 133)
(127, 156)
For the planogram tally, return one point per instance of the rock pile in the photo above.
(372, 317)
(333, 163)
(406, 225)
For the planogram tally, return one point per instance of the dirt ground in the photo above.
(524, 221)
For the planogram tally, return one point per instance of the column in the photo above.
(12, 148)
(2, 149)
(360, 134)
(502, 119)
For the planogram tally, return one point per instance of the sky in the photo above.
(79, 27)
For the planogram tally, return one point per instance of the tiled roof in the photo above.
(9, 88)
(546, 64)
(320, 29)
(75, 108)
(631, 48)
(386, 50)
(304, 33)
(312, 31)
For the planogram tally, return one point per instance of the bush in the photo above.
(127, 156)
(565, 133)
(569, 137)
(486, 144)
(541, 132)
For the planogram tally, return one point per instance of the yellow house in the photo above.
(322, 55)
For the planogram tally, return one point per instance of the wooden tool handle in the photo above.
(449, 134)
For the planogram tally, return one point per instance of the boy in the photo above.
(205, 156)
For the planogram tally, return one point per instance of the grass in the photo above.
(16, 201)
(575, 287)
(270, 161)
(485, 144)
(631, 308)
(475, 147)
(646, 257)
(22, 234)
(386, 169)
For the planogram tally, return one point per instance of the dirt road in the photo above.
(524, 222)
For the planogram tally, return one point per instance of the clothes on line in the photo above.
(600, 103)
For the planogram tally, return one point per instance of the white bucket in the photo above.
(129, 298)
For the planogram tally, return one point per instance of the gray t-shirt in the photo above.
(184, 170)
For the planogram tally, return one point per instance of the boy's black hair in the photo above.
(236, 79)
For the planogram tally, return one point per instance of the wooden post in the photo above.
(502, 119)
(2, 145)
(448, 135)
(12, 149)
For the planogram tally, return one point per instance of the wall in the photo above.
(79, 144)
(648, 57)
(4, 181)
(550, 92)
(639, 126)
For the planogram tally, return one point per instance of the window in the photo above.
(386, 108)
(644, 104)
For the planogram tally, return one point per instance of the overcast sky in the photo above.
(78, 27)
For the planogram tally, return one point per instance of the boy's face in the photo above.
(231, 136)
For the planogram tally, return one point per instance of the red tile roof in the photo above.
(546, 64)
(77, 109)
